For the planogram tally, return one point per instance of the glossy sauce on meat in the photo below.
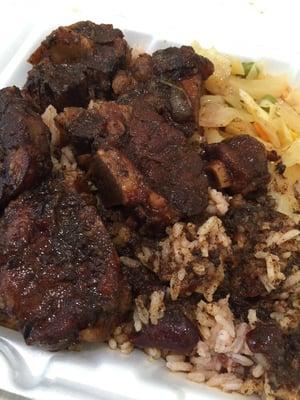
(24, 145)
(59, 272)
(76, 64)
(238, 164)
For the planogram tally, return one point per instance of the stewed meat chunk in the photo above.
(139, 159)
(238, 164)
(60, 277)
(76, 63)
(24, 145)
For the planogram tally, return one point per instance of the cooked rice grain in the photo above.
(179, 366)
(218, 204)
(157, 307)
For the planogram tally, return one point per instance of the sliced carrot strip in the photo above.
(260, 130)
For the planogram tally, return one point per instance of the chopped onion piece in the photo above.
(252, 107)
(212, 99)
(217, 82)
(221, 63)
(237, 67)
(258, 88)
(238, 126)
(213, 135)
(291, 156)
(289, 115)
(293, 99)
(285, 134)
(214, 113)
(234, 100)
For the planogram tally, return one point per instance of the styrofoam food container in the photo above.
(98, 372)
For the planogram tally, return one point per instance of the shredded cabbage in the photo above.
(213, 135)
(243, 98)
(293, 99)
(214, 112)
(257, 88)
(291, 155)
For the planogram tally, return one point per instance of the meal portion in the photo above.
(152, 202)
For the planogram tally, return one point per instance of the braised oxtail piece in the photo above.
(238, 164)
(172, 80)
(60, 276)
(76, 63)
(139, 160)
(24, 145)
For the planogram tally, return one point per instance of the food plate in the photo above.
(98, 372)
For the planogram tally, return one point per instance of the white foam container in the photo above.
(248, 28)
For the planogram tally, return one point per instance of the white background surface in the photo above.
(255, 29)
(245, 24)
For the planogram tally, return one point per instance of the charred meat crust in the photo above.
(180, 63)
(76, 64)
(24, 145)
(173, 78)
(136, 149)
(121, 183)
(172, 169)
(59, 272)
(238, 164)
